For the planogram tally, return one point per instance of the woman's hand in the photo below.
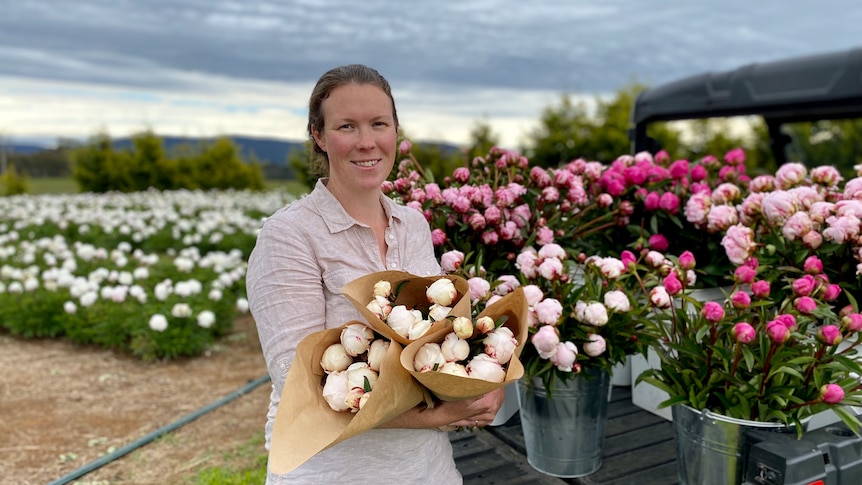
(468, 412)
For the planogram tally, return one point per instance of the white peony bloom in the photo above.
(418, 329)
(500, 344)
(382, 288)
(377, 352)
(454, 348)
(158, 322)
(242, 305)
(428, 358)
(438, 312)
(206, 319)
(70, 307)
(181, 310)
(401, 319)
(487, 368)
(617, 301)
(455, 369)
(335, 390)
(596, 345)
(356, 338)
(596, 314)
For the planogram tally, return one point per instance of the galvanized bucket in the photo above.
(711, 448)
(563, 434)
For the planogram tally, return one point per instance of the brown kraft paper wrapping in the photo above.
(305, 424)
(411, 294)
(454, 388)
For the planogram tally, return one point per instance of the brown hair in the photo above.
(336, 77)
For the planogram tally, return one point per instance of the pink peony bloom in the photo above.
(686, 260)
(721, 217)
(550, 268)
(479, 288)
(659, 297)
(672, 283)
(812, 239)
(669, 202)
(738, 243)
(628, 258)
(804, 285)
(548, 311)
(698, 173)
(831, 393)
(744, 274)
(790, 174)
(651, 201)
(797, 226)
(852, 321)
(658, 242)
(743, 332)
(697, 208)
(545, 341)
(778, 206)
(740, 299)
(777, 332)
(595, 346)
(564, 357)
(438, 237)
(461, 174)
(826, 175)
(805, 305)
(533, 294)
(760, 289)
(831, 292)
(595, 314)
(712, 311)
(787, 320)
(450, 261)
(829, 334)
(813, 265)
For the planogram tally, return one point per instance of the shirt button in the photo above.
(392, 265)
(391, 236)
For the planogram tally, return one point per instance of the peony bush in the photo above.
(155, 274)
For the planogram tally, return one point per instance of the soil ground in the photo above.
(62, 406)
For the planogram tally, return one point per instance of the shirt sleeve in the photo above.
(285, 293)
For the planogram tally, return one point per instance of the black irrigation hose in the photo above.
(159, 432)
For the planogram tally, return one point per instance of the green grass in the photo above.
(245, 465)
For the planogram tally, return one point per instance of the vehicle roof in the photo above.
(823, 86)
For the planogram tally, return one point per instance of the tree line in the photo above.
(565, 131)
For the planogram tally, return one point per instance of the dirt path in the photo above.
(63, 406)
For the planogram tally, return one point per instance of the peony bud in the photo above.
(831, 393)
(455, 369)
(442, 292)
(743, 332)
(740, 299)
(463, 327)
(777, 331)
(829, 334)
(500, 344)
(382, 288)
(744, 274)
(853, 321)
(485, 324)
(596, 345)
(686, 260)
(335, 359)
(428, 358)
(454, 348)
(672, 283)
(377, 352)
(356, 338)
(485, 367)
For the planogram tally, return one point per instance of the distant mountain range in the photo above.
(266, 150)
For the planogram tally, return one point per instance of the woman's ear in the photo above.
(318, 139)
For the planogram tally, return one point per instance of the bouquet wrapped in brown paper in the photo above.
(306, 424)
(486, 343)
(387, 296)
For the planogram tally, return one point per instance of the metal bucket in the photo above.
(711, 448)
(563, 434)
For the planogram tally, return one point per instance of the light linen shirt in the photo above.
(305, 253)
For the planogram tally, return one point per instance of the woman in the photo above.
(344, 229)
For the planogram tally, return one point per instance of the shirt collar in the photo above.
(336, 218)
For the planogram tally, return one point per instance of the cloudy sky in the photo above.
(214, 67)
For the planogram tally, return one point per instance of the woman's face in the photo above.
(359, 136)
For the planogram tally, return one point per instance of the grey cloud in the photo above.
(597, 45)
